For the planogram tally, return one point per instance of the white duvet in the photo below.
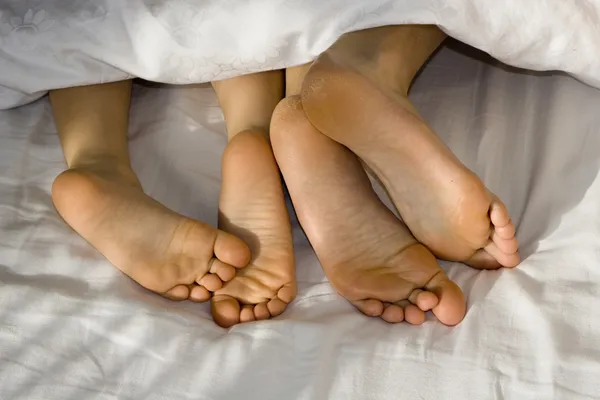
(46, 44)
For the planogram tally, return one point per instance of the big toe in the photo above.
(231, 250)
(499, 213)
(492, 257)
(451, 307)
(502, 249)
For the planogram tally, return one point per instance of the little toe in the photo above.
(414, 315)
(369, 307)
(178, 293)
(199, 294)
(423, 299)
(393, 314)
(247, 314)
(261, 312)
(210, 282)
(231, 250)
(452, 306)
(225, 310)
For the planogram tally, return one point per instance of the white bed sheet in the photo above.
(72, 327)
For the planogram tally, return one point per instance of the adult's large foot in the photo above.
(252, 207)
(445, 205)
(165, 252)
(368, 254)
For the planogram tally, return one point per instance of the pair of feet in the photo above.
(371, 257)
(345, 121)
(246, 268)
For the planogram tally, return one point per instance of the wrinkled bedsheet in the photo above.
(73, 328)
(47, 44)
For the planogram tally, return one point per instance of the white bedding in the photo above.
(72, 327)
(48, 44)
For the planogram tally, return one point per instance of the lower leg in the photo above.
(252, 204)
(392, 55)
(100, 197)
(248, 101)
(92, 126)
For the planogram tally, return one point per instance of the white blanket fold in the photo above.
(47, 44)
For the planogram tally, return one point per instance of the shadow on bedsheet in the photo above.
(532, 137)
(468, 51)
(47, 283)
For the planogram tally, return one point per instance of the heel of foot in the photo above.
(288, 119)
(329, 94)
(247, 141)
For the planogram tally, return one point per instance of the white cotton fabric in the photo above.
(72, 327)
(48, 44)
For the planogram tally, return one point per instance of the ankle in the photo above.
(248, 129)
(106, 167)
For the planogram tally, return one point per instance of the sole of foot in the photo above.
(445, 205)
(252, 207)
(368, 255)
(167, 253)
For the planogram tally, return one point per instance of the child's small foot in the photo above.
(252, 207)
(163, 251)
(445, 205)
(367, 253)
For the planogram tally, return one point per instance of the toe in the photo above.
(261, 312)
(224, 271)
(199, 294)
(231, 250)
(210, 282)
(483, 260)
(393, 314)
(508, 260)
(225, 310)
(178, 293)
(247, 314)
(492, 257)
(508, 246)
(499, 213)
(369, 307)
(423, 299)
(287, 293)
(451, 307)
(276, 307)
(413, 315)
(505, 232)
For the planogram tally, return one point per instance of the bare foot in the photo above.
(163, 251)
(368, 254)
(252, 207)
(445, 205)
